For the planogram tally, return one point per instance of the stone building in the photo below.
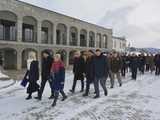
(25, 27)
(119, 43)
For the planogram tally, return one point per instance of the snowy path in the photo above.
(135, 100)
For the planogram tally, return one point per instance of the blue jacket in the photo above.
(58, 79)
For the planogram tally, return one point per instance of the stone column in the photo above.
(67, 59)
(19, 59)
(54, 33)
(95, 39)
(78, 38)
(39, 58)
(39, 25)
(19, 29)
(88, 38)
(68, 35)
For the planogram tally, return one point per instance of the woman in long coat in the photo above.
(58, 78)
(32, 75)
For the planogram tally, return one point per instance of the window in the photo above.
(7, 30)
(82, 40)
(58, 37)
(73, 38)
(28, 33)
(44, 35)
(1, 32)
(91, 42)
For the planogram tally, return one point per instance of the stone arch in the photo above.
(105, 39)
(8, 58)
(25, 55)
(91, 39)
(29, 29)
(47, 32)
(8, 26)
(83, 38)
(61, 34)
(73, 36)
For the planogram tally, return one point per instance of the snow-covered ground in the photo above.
(135, 100)
(3, 76)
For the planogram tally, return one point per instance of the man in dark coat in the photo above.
(115, 66)
(157, 64)
(101, 70)
(89, 71)
(123, 68)
(134, 66)
(142, 62)
(78, 70)
(47, 61)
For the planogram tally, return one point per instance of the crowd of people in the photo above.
(91, 68)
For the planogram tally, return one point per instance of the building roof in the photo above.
(64, 15)
(119, 38)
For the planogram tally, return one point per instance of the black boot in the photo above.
(97, 96)
(29, 97)
(106, 93)
(82, 90)
(39, 96)
(54, 102)
(51, 97)
(64, 95)
(111, 87)
(85, 94)
(72, 91)
(64, 98)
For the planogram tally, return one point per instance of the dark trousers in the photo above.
(88, 83)
(142, 69)
(118, 76)
(123, 71)
(102, 81)
(134, 73)
(75, 82)
(43, 83)
(157, 72)
(147, 67)
(56, 93)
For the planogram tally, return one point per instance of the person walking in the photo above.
(123, 67)
(115, 65)
(46, 67)
(32, 75)
(89, 71)
(101, 70)
(134, 66)
(58, 78)
(78, 70)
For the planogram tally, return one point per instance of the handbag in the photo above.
(25, 80)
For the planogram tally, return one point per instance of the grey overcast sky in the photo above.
(138, 20)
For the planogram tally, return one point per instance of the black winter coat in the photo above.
(134, 63)
(101, 66)
(79, 68)
(46, 67)
(89, 69)
(33, 75)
